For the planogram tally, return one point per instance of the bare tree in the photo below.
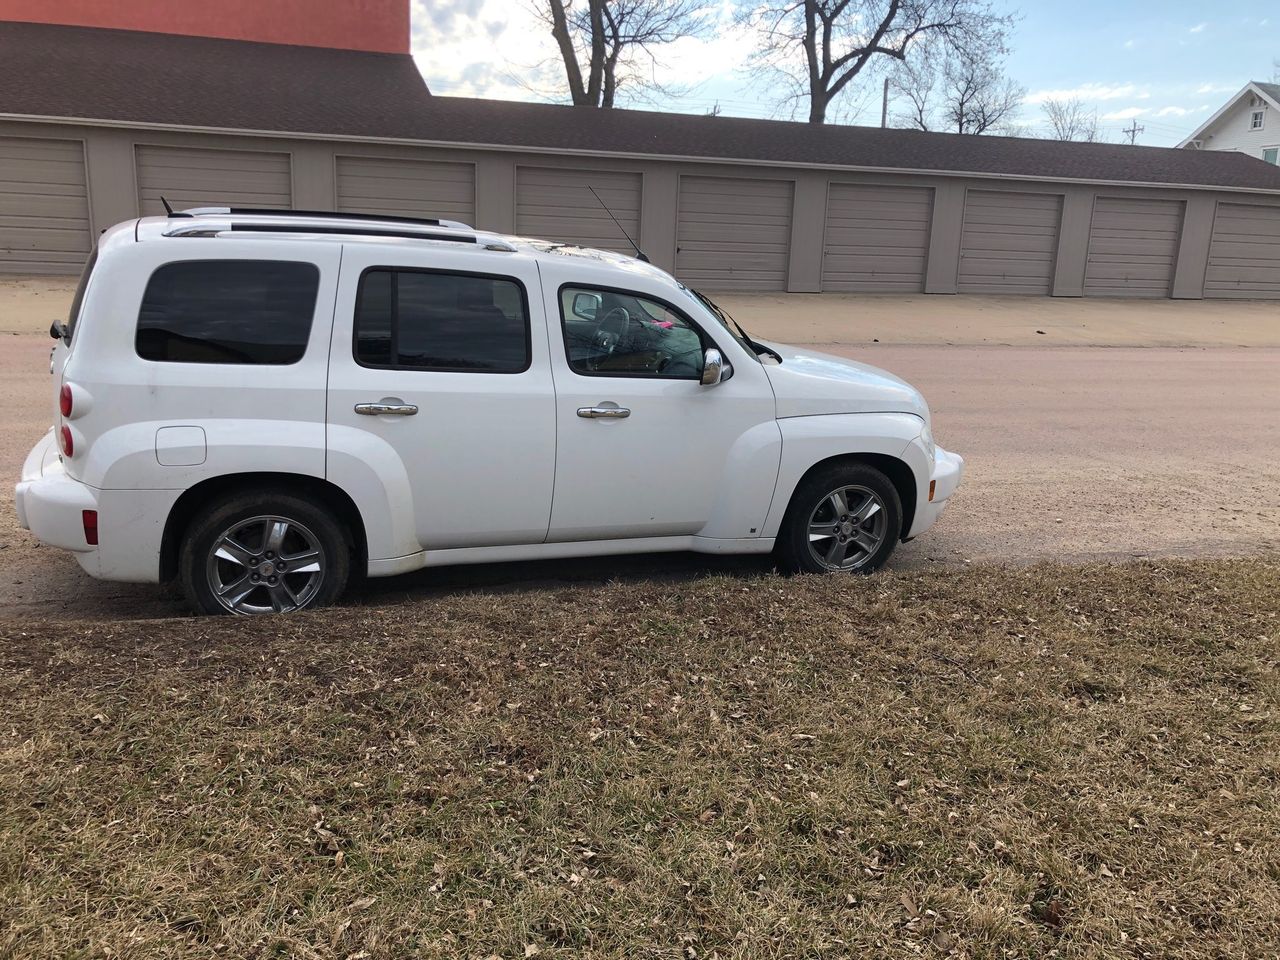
(971, 95)
(916, 83)
(977, 98)
(839, 39)
(1069, 120)
(600, 41)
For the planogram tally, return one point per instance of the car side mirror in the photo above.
(585, 305)
(714, 368)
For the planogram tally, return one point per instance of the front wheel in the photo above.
(263, 553)
(846, 518)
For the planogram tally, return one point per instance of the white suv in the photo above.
(262, 403)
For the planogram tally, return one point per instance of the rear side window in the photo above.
(78, 300)
(228, 311)
(420, 320)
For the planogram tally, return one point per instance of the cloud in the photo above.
(503, 49)
(1183, 111)
(1128, 113)
(1217, 88)
(483, 48)
(1130, 44)
(1198, 28)
(1090, 92)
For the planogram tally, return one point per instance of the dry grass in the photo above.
(1074, 762)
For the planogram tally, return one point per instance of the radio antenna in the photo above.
(635, 246)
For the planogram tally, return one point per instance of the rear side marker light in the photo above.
(68, 448)
(90, 518)
(64, 400)
(933, 485)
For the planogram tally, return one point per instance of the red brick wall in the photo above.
(378, 25)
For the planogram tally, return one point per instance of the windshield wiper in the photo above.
(756, 345)
(724, 315)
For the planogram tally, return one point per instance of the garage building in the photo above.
(96, 124)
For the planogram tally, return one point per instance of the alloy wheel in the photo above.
(265, 564)
(847, 527)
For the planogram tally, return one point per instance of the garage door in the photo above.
(1244, 255)
(877, 238)
(44, 206)
(1133, 247)
(556, 205)
(218, 178)
(407, 188)
(734, 234)
(1009, 243)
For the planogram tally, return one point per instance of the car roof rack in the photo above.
(350, 231)
(319, 214)
(215, 221)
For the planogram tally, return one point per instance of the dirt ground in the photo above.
(30, 304)
(1017, 321)
(1078, 444)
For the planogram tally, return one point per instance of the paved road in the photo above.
(1073, 453)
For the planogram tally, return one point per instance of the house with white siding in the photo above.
(1247, 123)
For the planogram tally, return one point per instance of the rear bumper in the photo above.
(130, 522)
(944, 477)
(50, 504)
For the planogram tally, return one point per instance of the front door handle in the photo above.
(387, 408)
(604, 413)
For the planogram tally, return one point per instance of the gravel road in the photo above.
(1075, 453)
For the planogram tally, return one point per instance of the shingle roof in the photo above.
(628, 131)
(127, 75)
(1272, 90)
(131, 77)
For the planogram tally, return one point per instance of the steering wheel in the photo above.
(612, 327)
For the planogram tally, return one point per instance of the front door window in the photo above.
(611, 333)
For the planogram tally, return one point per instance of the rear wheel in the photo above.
(846, 518)
(263, 553)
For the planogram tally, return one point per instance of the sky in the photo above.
(1166, 65)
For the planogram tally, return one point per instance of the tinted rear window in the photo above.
(413, 319)
(228, 311)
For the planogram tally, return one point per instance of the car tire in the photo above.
(263, 552)
(822, 522)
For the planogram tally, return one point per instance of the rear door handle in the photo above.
(387, 408)
(604, 413)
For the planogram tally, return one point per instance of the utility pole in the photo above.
(1133, 130)
(884, 106)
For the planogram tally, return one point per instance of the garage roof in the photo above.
(128, 77)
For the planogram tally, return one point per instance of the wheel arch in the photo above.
(193, 499)
(896, 469)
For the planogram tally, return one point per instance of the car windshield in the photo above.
(723, 318)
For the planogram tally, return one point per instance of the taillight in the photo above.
(64, 400)
(68, 448)
(90, 518)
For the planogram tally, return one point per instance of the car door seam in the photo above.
(328, 364)
(555, 401)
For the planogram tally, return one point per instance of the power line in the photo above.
(1132, 131)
